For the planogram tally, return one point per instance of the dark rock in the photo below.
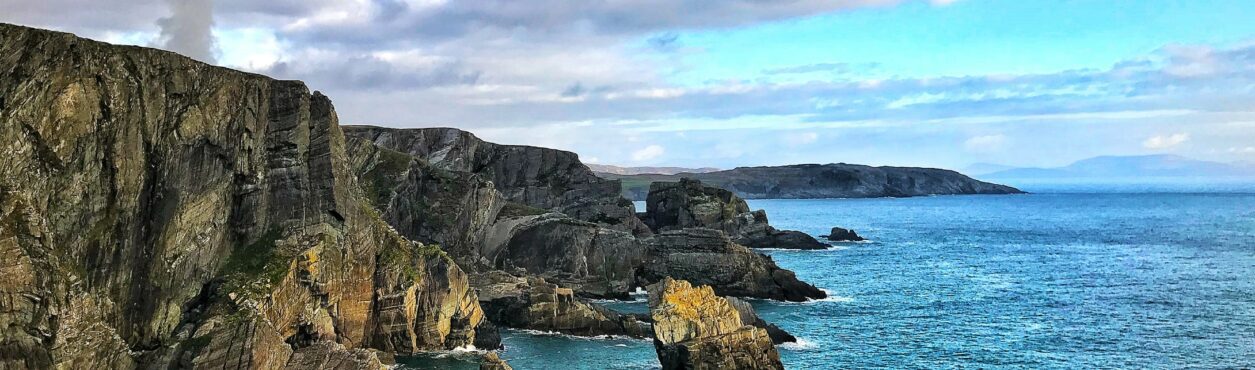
(543, 178)
(533, 303)
(708, 257)
(749, 316)
(688, 203)
(696, 329)
(844, 235)
(814, 181)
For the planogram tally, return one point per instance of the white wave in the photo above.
(548, 333)
(801, 345)
(831, 297)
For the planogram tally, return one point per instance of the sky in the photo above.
(940, 83)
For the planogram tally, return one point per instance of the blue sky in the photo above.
(743, 82)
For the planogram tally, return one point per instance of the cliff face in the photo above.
(696, 329)
(806, 181)
(157, 211)
(687, 203)
(537, 177)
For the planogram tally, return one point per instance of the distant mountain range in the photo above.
(616, 170)
(1126, 167)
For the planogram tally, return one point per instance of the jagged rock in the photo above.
(687, 203)
(333, 356)
(593, 260)
(708, 257)
(493, 362)
(696, 329)
(844, 235)
(161, 212)
(426, 203)
(750, 317)
(537, 177)
(532, 303)
(816, 181)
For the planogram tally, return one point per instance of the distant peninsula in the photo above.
(809, 181)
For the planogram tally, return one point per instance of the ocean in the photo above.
(1065, 278)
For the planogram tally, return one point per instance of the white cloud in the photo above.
(1165, 141)
(593, 160)
(648, 153)
(800, 138)
(985, 143)
(1242, 150)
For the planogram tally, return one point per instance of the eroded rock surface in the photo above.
(160, 212)
(696, 329)
(532, 303)
(688, 203)
(542, 178)
(708, 257)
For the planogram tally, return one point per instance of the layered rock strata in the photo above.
(708, 257)
(160, 212)
(696, 329)
(688, 203)
(542, 178)
(532, 303)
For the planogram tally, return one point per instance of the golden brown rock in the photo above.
(696, 329)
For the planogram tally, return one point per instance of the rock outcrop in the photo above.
(814, 181)
(533, 303)
(696, 329)
(542, 178)
(160, 212)
(708, 257)
(493, 362)
(750, 317)
(844, 235)
(688, 203)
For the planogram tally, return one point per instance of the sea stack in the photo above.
(688, 203)
(844, 235)
(696, 329)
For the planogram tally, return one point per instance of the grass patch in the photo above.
(515, 209)
(254, 267)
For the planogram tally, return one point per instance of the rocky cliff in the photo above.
(536, 177)
(687, 203)
(806, 181)
(696, 329)
(159, 212)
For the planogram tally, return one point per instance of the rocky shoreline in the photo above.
(180, 215)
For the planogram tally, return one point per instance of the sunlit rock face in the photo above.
(696, 329)
(156, 211)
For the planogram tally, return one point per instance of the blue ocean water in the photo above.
(1047, 280)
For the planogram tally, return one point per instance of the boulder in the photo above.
(844, 235)
(696, 329)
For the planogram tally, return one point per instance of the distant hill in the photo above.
(616, 170)
(806, 181)
(984, 168)
(1129, 167)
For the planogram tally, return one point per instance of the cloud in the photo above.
(1242, 150)
(189, 29)
(985, 143)
(648, 153)
(800, 138)
(1158, 142)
